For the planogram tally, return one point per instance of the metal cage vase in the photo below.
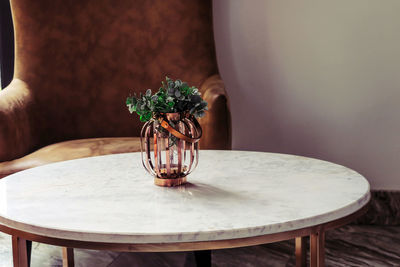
(170, 148)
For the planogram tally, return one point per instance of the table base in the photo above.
(203, 257)
(316, 234)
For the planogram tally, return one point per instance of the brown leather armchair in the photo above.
(77, 61)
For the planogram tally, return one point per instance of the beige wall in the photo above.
(315, 78)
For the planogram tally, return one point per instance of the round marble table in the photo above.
(233, 199)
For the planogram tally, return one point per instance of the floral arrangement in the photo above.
(173, 96)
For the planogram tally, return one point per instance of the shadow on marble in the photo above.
(352, 245)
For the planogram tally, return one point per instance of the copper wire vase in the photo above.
(170, 149)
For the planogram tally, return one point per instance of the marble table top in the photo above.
(232, 194)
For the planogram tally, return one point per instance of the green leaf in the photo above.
(172, 96)
(200, 114)
(145, 117)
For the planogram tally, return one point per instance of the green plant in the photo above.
(173, 96)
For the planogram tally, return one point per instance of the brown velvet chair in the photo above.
(77, 61)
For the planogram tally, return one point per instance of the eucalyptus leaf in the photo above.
(178, 83)
(172, 96)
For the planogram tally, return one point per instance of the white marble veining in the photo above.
(232, 194)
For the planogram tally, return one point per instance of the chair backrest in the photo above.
(81, 59)
(6, 44)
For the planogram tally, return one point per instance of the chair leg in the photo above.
(20, 256)
(203, 258)
(29, 251)
(68, 257)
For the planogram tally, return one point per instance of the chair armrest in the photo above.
(217, 122)
(16, 138)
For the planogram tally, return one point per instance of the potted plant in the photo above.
(170, 135)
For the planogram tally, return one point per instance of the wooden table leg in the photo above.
(68, 257)
(317, 249)
(20, 255)
(301, 251)
(203, 258)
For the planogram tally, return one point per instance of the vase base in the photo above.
(169, 182)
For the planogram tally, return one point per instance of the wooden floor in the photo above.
(352, 245)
